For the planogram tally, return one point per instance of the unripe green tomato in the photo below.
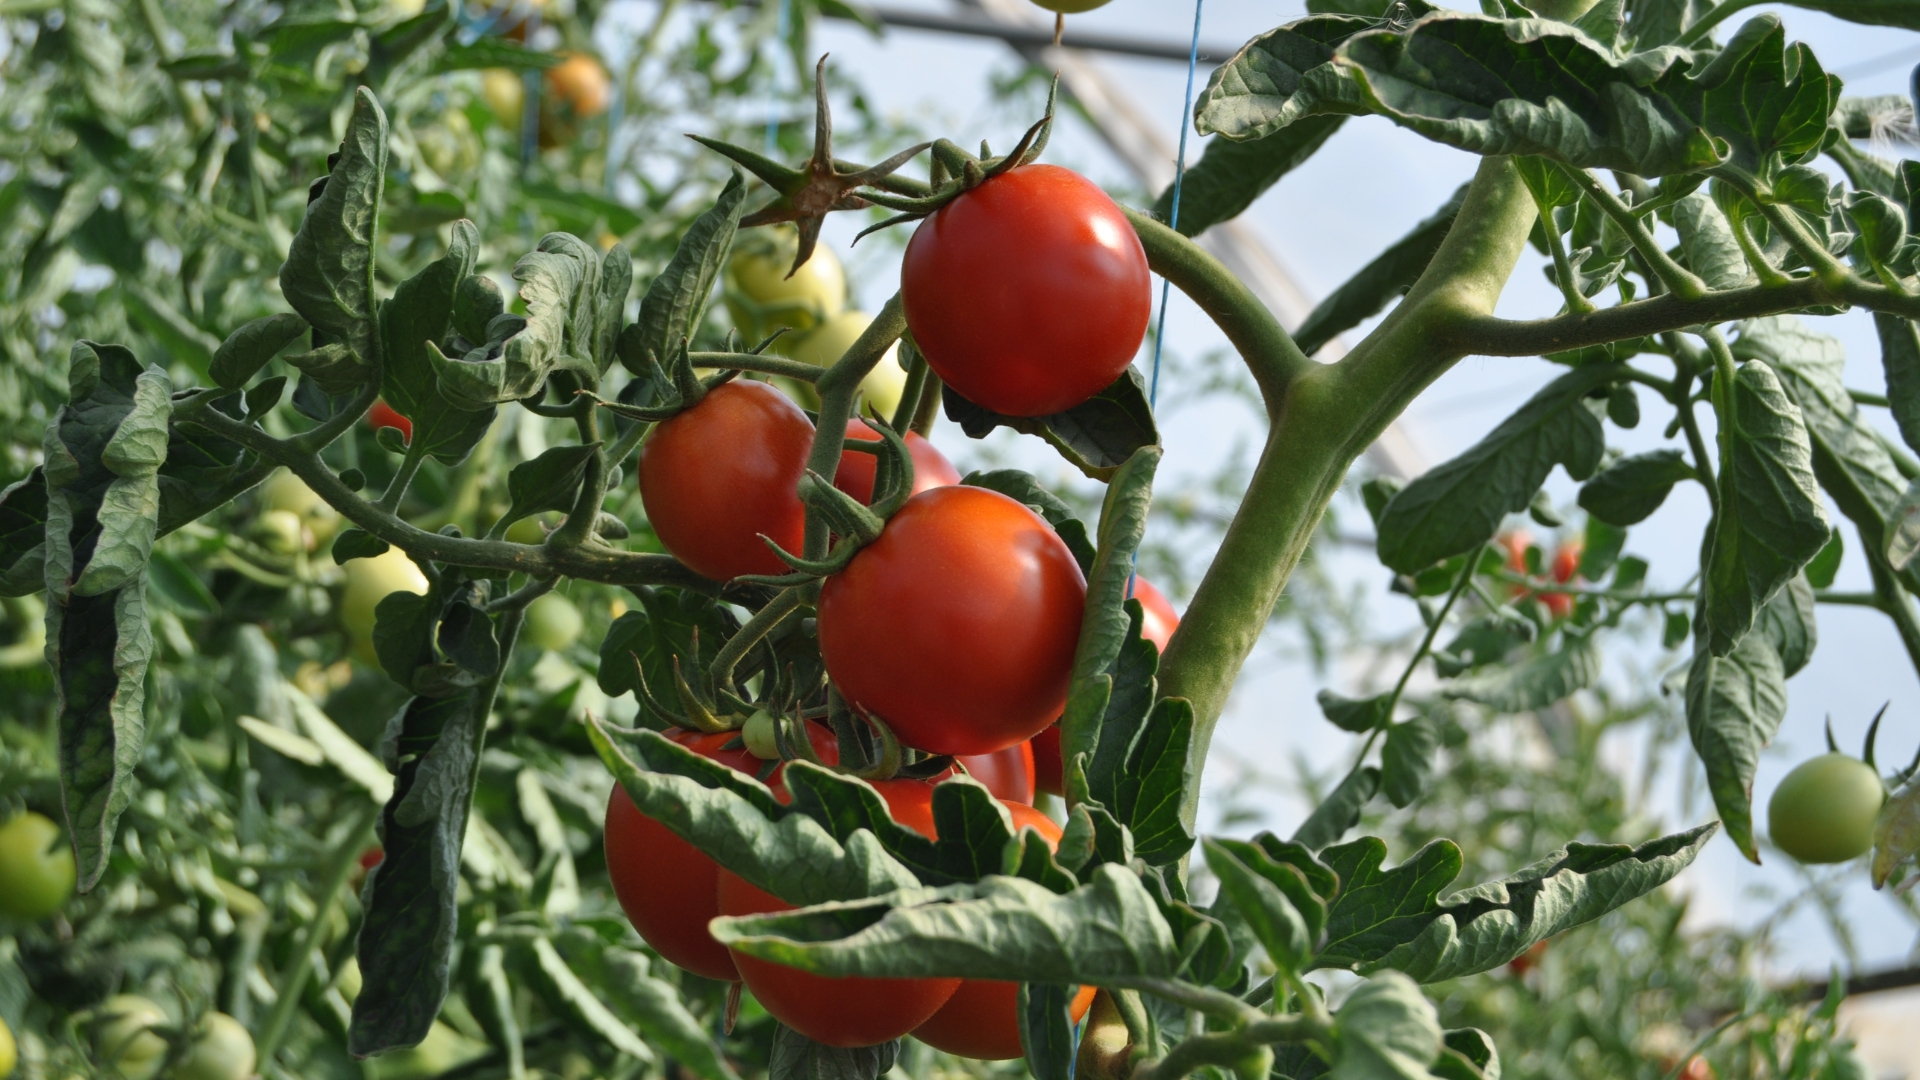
(441, 1051)
(368, 582)
(825, 346)
(9, 1054)
(285, 491)
(1255, 1066)
(281, 531)
(757, 734)
(527, 531)
(1824, 811)
(816, 292)
(1070, 7)
(348, 981)
(552, 623)
(123, 1040)
(221, 1050)
(36, 867)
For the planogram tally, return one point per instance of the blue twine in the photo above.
(1173, 222)
(773, 79)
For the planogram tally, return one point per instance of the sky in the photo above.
(1361, 192)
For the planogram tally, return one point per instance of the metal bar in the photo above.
(1024, 35)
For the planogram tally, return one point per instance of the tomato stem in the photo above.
(838, 386)
(340, 862)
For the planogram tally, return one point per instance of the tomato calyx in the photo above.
(856, 524)
(820, 186)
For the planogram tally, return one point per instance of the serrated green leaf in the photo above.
(1275, 922)
(1771, 520)
(1407, 760)
(1097, 436)
(575, 1000)
(1485, 639)
(1385, 1030)
(1628, 491)
(1377, 911)
(1789, 625)
(1734, 706)
(675, 303)
(99, 647)
(655, 1008)
(796, 1057)
(1340, 810)
(1708, 243)
(328, 276)
(1283, 76)
(559, 283)
(549, 481)
(248, 349)
(1379, 282)
(1230, 175)
(1457, 506)
(420, 312)
(1535, 683)
(1353, 714)
(998, 928)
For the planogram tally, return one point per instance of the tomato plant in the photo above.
(721, 475)
(997, 285)
(996, 598)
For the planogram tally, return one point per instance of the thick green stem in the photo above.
(340, 862)
(402, 478)
(1825, 267)
(1563, 269)
(761, 362)
(1323, 418)
(1701, 30)
(784, 603)
(1894, 602)
(1680, 281)
(585, 514)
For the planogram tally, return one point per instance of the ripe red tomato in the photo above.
(958, 625)
(982, 1019)
(1028, 294)
(931, 469)
(383, 415)
(1157, 625)
(1008, 773)
(716, 477)
(666, 885)
(1528, 960)
(849, 1011)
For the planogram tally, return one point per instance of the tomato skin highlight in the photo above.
(958, 625)
(716, 477)
(666, 885)
(1824, 810)
(847, 1011)
(1028, 294)
(982, 1019)
(931, 469)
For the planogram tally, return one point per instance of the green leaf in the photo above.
(654, 1006)
(328, 276)
(494, 52)
(1661, 22)
(1283, 76)
(1047, 1029)
(421, 312)
(403, 625)
(1407, 760)
(1459, 505)
(1390, 274)
(23, 535)
(568, 996)
(1480, 928)
(476, 303)
(663, 627)
(1025, 488)
(1707, 241)
(1900, 358)
(1353, 714)
(248, 349)
(1826, 565)
(559, 283)
(1230, 175)
(1628, 491)
(548, 482)
(1880, 225)
(1603, 544)
(354, 544)
(1469, 1055)
(1485, 639)
(1385, 1030)
(737, 821)
(998, 928)
(179, 587)
(1339, 811)
(1898, 13)
(1097, 436)
(412, 918)
(1494, 86)
(675, 303)
(1534, 683)
(1771, 520)
(1735, 703)
(1278, 925)
(796, 1057)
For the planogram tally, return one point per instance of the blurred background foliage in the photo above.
(155, 157)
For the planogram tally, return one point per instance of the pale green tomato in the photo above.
(505, 95)
(825, 346)
(757, 733)
(36, 867)
(553, 623)
(527, 531)
(441, 1051)
(348, 982)
(123, 1040)
(761, 298)
(9, 1054)
(1070, 7)
(369, 581)
(1824, 811)
(221, 1050)
(281, 531)
(285, 491)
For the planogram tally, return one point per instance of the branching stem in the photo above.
(1680, 281)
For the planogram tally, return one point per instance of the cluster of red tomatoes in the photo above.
(956, 626)
(1564, 567)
